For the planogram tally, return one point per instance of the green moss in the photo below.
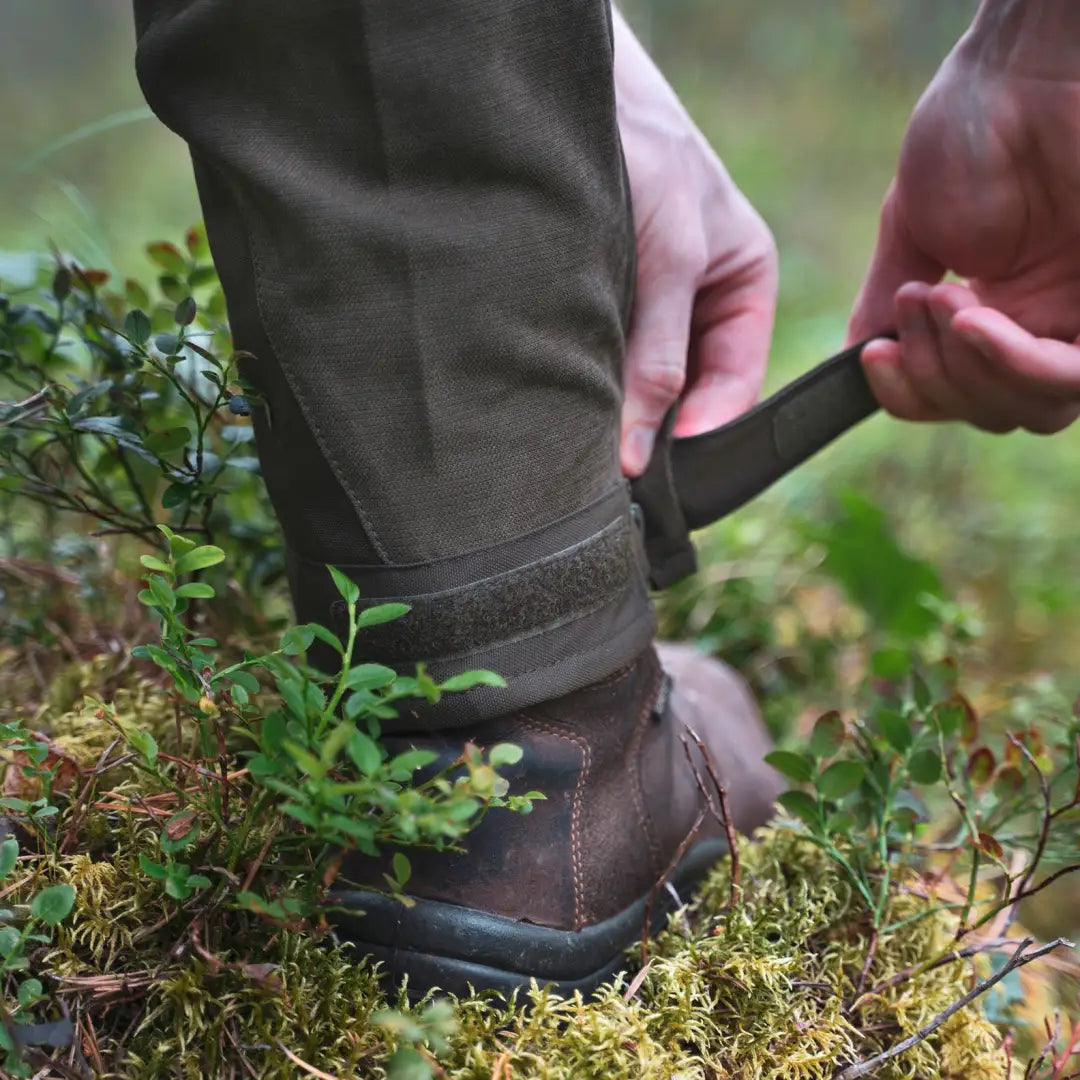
(755, 993)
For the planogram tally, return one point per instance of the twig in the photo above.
(1044, 832)
(309, 1069)
(950, 957)
(724, 814)
(646, 929)
(253, 869)
(871, 953)
(1018, 960)
(76, 815)
(143, 529)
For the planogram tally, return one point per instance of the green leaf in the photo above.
(921, 692)
(151, 562)
(348, 588)
(283, 909)
(364, 752)
(404, 765)
(802, 806)
(505, 754)
(327, 637)
(896, 729)
(793, 766)
(53, 904)
(263, 765)
(199, 559)
(180, 831)
(142, 742)
(890, 664)
(924, 767)
(137, 327)
(175, 495)
(370, 677)
(296, 640)
(185, 312)
(198, 881)
(9, 855)
(383, 613)
(273, 731)
(152, 869)
(863, 555)
(167, 256)
(169, 344)
(165, 442)
(841, 779)
(306, 761)
(408, 1064)
(29, 992)
(162, 592)
(468, 679)
(402, 869)
(61, 284)
(246, 680)
(828, 735)
(9, 940)
(196, 590)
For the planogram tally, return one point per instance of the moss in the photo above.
(755, 993)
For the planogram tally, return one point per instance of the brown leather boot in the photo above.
(559, 895)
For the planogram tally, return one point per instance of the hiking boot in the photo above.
(558, 895)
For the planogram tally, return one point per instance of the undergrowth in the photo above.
(183, 790)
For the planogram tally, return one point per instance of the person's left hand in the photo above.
(707, 269)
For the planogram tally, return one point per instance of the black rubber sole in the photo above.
(459, 950)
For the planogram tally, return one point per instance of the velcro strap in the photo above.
(693, 482)
(507, 607)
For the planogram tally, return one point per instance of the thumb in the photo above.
(897, 260)
(655, 370)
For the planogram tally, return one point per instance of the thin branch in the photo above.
(723, 816)
(1019, 959)
(302, 1064)
(947, 958)
(680, 851)
(1044, 832)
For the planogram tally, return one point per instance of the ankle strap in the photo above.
(693, 482)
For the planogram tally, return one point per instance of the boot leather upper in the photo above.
(620, 794)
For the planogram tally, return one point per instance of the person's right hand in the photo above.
(988, 187)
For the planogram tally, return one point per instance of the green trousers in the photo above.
(420, 216)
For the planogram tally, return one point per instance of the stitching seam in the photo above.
(576, 861)
(636, 788)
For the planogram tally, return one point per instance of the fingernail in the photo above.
(639, 447)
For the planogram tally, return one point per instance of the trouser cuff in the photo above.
(551, 612)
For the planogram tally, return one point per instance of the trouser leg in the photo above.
(420, 218)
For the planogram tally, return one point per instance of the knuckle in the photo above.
(661, 381)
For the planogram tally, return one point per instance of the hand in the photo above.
(706, 273)
(987, 188)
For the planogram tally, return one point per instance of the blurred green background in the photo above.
(806, 103)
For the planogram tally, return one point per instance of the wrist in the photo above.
(1026, 38)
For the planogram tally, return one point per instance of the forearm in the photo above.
(1033, 38)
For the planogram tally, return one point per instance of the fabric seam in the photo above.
(576, 861)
